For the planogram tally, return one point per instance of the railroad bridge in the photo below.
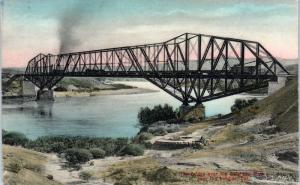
(192, 68)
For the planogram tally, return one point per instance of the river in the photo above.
(100, 116)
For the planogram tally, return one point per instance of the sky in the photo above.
(30, 27)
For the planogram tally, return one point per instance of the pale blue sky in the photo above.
(31, 26)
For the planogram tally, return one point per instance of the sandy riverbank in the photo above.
(104, 92)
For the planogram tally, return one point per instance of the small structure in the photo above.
(274, 86)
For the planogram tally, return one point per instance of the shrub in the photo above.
(132, 149)
(75, 155)
(142, 137)
(161, 175)
(61, 143)
(50, 177)
(60, 89)
(123, 181)
(34, 167)
(250, 156)
(96, 89)
(14, 138)
(145, 136)
(97, 153)
(57, 147)
(15, 166)
(147, 116)
(239, 104)
(85, 175)
(159, 131)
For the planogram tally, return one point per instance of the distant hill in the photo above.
(293, 69)
(13, 70)
(287, 62)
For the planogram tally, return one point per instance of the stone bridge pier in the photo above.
(45, 95)
(192, 113)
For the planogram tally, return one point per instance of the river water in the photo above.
(101, 116)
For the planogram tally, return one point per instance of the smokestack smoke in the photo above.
(70, 22)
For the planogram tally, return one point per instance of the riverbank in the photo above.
(103, 92)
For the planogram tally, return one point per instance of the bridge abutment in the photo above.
(45, 95)
(276, 85)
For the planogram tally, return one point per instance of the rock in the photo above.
(291, 156)
(272, 129)
(216, 165)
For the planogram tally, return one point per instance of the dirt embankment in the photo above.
(22, 166)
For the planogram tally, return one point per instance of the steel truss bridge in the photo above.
(192, 68)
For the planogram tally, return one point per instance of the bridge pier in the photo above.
(192, 113)
(45, 95)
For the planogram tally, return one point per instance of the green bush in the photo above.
(14, 138)
(59, 144)
(58, 147)
(239, 104)
(123, 181)
(132, 149)
(85, 175)
(147, 116)
(145, 136)
(60, 89)
(97, 153)
(34, 167)
(77, 156)
(159, 132)
(161, 175)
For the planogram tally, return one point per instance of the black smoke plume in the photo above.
(70, 22)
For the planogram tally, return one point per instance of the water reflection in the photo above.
(44, 108)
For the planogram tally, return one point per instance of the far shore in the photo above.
(104, 92)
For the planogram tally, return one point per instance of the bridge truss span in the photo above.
(190, 67)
